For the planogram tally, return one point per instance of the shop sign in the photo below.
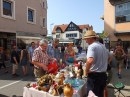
(28, 34)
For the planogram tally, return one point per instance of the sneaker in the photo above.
(119, 75)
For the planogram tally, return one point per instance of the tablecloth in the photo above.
(32, 92)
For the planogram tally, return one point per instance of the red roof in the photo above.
(64, 26)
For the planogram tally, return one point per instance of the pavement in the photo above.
(125, 80)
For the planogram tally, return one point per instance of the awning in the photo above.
(121, 33)
(26, 37)
(65, 42)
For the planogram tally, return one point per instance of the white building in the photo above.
(71, 32)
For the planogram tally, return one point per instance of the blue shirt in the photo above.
(53, 53)
(30, 51)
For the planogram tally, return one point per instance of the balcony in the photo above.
(115, 1)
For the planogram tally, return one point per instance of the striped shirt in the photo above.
(40, 56)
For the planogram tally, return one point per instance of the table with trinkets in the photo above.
(70, 82)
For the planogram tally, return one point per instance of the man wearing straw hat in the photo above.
(96, 64)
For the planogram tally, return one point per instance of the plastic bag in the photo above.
(52, 67)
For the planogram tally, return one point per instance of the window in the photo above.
(31, 15)
(43, 4)
(8, 9)
(72, 27)
(43, 22)
(58, 36)
(58, 30)
(71, 35)
(122, 12)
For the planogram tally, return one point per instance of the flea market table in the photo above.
(32, 92)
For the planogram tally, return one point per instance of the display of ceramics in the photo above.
(63, 82)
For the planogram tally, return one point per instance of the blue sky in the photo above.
(77, 11)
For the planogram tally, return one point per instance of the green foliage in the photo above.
(101, 34)
(49, 37)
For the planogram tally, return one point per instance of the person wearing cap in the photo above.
(69, 54)
(96, 64)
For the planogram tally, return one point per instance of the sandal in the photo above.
(23, 75)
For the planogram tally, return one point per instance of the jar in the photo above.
(68, 90)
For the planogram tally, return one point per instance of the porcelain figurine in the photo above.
(78, 74)
(57, 75)
(51, 89)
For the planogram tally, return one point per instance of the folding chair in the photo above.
(119, 86)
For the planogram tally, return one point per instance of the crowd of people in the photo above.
(40, 54)
(97, 63)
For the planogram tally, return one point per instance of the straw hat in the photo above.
(89, 34)
(70, 44)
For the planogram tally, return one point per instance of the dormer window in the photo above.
(58, 30)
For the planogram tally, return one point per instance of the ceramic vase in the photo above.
(68, 90)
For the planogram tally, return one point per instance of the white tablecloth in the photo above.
(31, 92)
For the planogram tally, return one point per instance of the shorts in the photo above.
(39, 72)
(31, 64)
(15, 67)
(120, 63)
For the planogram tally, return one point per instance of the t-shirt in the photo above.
(100, 54)
(15, 54)
(53, 53)
(30, 51)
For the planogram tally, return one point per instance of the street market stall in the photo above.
(69, 82)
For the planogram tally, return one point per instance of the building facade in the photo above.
(71, 32)
(22, 21)
(117, 21)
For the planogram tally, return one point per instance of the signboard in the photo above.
(106, 40)
(28, 34)
(106, 34)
